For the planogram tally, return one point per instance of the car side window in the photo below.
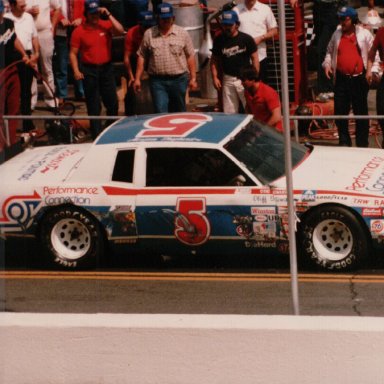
(191, 167)
(123, 170)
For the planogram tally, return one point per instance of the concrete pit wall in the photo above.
(206, 349)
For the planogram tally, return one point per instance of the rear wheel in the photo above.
(333, 238)
(71, 238)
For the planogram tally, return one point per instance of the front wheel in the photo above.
(71, 238)
(333, 238)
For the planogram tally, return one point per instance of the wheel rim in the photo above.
(332, 240)
(71, 239)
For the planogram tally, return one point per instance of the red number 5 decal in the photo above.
(179, 124)
(191, 224)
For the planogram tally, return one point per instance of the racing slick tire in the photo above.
(332, 238)
(71, 238)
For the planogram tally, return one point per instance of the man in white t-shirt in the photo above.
(27, 34)
(45, 25)
(257, 20)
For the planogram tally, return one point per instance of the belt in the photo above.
(166, 77)
(95, 65)
(350, 75)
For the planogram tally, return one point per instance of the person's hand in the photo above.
(217, 83)
(294, 3)
(77, 22)
(137, 86)
(368, 76)
(33, 60)
(78, 75)
(130, 81)
(104, 11)
(328, 72)
(65, 22)
(192, 84)
(34, 11)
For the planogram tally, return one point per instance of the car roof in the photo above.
(175, 127)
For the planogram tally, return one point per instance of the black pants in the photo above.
(100, 85)
(352, 91)
(26, 76)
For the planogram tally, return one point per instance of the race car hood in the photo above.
(37, 165)
(351, 170)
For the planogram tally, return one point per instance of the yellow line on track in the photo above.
(191, 276)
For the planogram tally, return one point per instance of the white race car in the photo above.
(193, 183)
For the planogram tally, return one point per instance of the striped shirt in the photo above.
(166, 55)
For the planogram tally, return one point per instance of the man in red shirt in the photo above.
(93, 39)
(133, 40)
(261, 99)
(346, 60)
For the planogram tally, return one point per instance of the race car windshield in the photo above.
(261, 150)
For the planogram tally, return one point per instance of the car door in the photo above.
(200, 200)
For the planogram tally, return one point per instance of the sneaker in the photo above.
(330, 95)
(322, 97)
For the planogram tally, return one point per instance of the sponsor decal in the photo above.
(308, 195)
(181, 124)
(263, 210)
(70, 190)
(57, 200)
(372, 212)
(261, 218)
(17, 212)
(378, 185)
(365, 175)
(377, 226)
(46, 165)
(260, 244)
(54, 163)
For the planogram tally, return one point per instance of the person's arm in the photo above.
(371, 59)
(19, 48)
(215, 70)
(255, 61)
(128, 67)
(73, 54)
(117, 28)
(55, 18)
(275, 117)
(271, 33)
(192, 72)
(139, 73)
(36, 51)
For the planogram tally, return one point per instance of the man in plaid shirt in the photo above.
(168, 54)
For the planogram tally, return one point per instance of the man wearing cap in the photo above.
(168, 54)
(11, 50)
(133, 40)
(258, 20)
(232, 50)
(93, 40)
(346, 60)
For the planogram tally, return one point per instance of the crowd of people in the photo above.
(79, 33)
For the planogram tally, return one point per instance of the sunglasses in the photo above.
(342, 18)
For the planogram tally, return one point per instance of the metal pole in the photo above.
(288, 158)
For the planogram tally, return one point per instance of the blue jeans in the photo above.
(60, 68)
(168, 92)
